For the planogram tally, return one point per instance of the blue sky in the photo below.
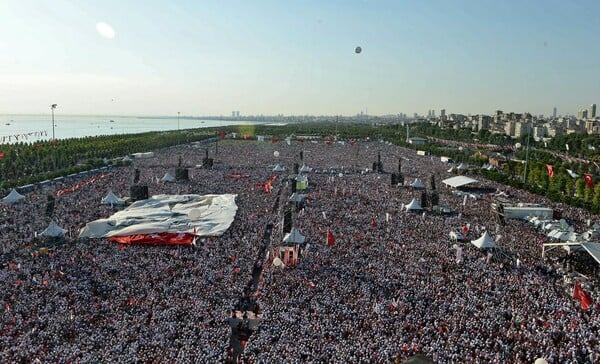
(297, 57)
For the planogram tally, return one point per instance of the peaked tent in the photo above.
(53, 231)
(413, 205)
(485, 241)
(417, 184)
(112, 199)
(462, 167)
(278, 168)
(13, 197)
(305, 169)
(167, 178)
(294, 237)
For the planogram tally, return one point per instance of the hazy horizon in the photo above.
(204, 58)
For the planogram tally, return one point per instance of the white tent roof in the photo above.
(459, 181)
(294, 237)
(278, 168)
(414, 205)
(204, 215)
(13, 197)
(305, 168)
(167, 178)
(462, 167)
(417, 184)
(54, 231)
(111, 198)
(593, 249)
(484, 241)
(126, 159)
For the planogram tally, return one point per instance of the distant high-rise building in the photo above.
(592, 113)
(433, 113)
(233, 114)
(443, 113)
(582, 114)
(554, 113)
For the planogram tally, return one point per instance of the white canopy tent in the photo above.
(294, 237)
(112, 199)
(13, 197)
(305, 169)
(484, 241)
(413, 205)
(167, 178)
(459, 181)
(462, 167)
(278, 168)
(418, 184)
(53, 231)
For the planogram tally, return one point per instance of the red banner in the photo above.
(155, 239)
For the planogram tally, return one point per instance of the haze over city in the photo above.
(282, 57)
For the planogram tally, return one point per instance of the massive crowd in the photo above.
(388, 288)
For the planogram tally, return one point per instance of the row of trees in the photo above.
(25, 163)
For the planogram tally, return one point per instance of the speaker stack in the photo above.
(137, 193)
(182, 174)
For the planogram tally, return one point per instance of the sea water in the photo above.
(33, 128)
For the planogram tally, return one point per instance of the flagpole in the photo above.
(527, 155)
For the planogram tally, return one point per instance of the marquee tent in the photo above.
(485, 241)
(166, 219)
(305, 169)
(112, 199)
(294, 237)
(413, 205)
(167, 178)
(278, 168)
(418, 184)
(53, 231)
(458, 181)
(13, 197)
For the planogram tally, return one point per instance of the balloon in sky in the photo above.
(105, 30)
(357, 50)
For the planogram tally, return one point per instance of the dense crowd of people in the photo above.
(389, 287)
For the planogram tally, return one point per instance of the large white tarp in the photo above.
(204, 215)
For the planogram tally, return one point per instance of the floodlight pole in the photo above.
(526, 157)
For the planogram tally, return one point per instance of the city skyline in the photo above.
(269, 57)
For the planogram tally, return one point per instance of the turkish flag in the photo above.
(373, 223)
(1, 155)
(550, 170)
(582, 296)
(330, 238)
(589, 181)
